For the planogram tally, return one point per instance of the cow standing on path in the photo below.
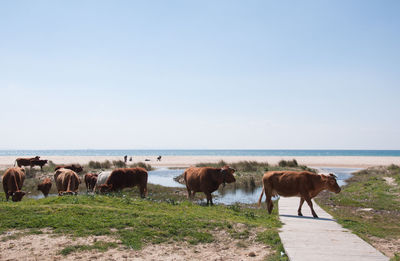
(207, 180)
(305, 185)
(13, 179)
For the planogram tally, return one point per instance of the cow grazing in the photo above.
(305, 185)
(90, 181)
(126, 178)
(74, 167)
(25, 161)
(45, 186)
(101, 179)
(13, 179)
(67, 181)
(38, 162)
(207, 180)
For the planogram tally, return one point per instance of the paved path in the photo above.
(306, 238)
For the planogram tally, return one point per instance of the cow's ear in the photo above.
(332, 175)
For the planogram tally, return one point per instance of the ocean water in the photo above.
(294, 153)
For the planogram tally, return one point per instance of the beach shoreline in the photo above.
(187, 161)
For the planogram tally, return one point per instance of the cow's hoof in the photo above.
(315, 216)
(300, 214)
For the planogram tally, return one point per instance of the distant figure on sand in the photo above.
(125, 158)
(159, 158)
(130, 158)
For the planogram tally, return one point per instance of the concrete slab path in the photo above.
(306, 238)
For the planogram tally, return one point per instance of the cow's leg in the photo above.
(301, 204)
(7, 195)
(209, 199)
(268, 200)
(310, 204)
(142, 192)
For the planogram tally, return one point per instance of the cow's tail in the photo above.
(262, 194)
(69, 185)
(15, 162)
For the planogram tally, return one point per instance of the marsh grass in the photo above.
(367, 189)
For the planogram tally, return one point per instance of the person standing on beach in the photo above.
(125, 158)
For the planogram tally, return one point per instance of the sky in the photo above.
(199, 74)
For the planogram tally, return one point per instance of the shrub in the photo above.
(119, 164)
(147, 167)
(288, 163)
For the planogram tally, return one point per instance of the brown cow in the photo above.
(13, 179)
(305, 185)
(45, 186)
(207, 180)
(38, 162)
(126, 178)
(75, 167)
(25, 161)
(90, 181)
(67, 181)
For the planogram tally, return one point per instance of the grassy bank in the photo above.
(137, 222)
(369, 205)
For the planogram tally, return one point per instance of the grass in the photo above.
(367, 189)
(98, 245)
(134, 221)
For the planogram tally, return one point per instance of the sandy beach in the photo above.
(186, 161)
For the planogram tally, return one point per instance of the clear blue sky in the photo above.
(200, 74)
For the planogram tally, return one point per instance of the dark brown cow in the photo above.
(38, 162)
(126, 178)
(207, 180)
(25, 161)
(75, 167)
(45, 186)
(90, 181)
(67, 181)
(305, 185)
(13, 179)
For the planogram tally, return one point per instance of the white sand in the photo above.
(186, 161)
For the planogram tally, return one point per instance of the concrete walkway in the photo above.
(306, 238)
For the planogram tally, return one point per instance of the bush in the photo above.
(147, 167)
(288, 163)
(119, 164)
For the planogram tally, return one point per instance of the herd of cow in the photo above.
(304, 184)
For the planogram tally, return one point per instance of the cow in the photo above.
(38, 162)
(13, 179)
(67, 181)
(45, 186)
(126, 178)
(25, 161)
(207, 180)
(90, 181)
(304, 184)
(74, 167)
(101, 179)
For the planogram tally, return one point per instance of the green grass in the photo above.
(98, 245)
(368, 189)
(134, 221)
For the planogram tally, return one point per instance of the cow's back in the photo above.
(288, 183)
(127, 177)
(201, 179)
(13, 179)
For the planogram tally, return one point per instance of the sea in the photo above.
(293, 153)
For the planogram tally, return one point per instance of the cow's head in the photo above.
(227, 174)
(105, 188)
(332, 184)
(78, 168)
(17, 196)
(37, 157)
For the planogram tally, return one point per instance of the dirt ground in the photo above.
(47, 246)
